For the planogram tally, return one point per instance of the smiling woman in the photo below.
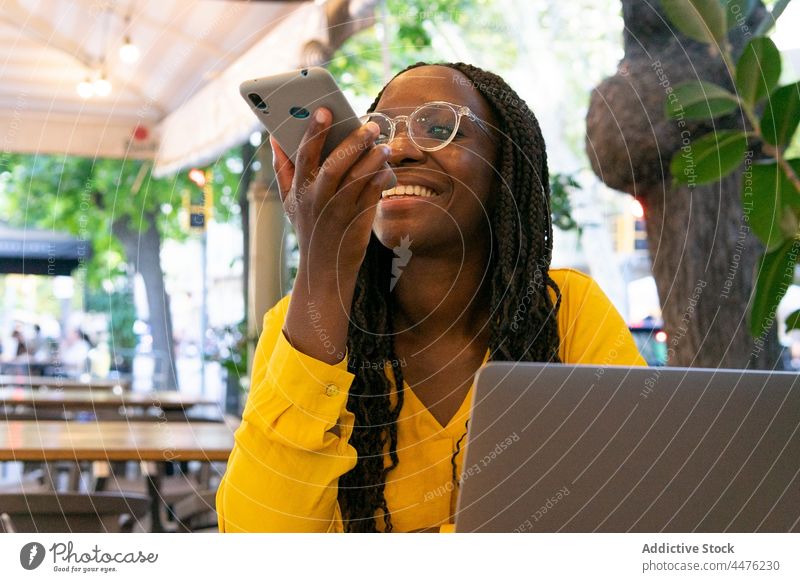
(432, 277)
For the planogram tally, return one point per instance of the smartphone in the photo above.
(285, 103)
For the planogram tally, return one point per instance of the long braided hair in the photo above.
(523, 322)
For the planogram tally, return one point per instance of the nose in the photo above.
(404, 151)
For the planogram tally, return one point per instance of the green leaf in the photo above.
(709, 158)
(768, 198)
(702, 20)
(700, 100)
(781, 115)
(758, 70)
(793, 321)
(775, 274)
(738, 11)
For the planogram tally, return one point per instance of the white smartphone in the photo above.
(285, 103)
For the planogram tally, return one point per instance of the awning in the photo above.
(40, 252)
(216, 118)
(179, 103)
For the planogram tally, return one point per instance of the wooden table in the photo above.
(64, 383)
(92, 400)
(26, 440)
(159, 442)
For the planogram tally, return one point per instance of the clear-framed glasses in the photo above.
(431, 126)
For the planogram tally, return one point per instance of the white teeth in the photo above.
(408, 190)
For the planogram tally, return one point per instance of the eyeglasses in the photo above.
(430, 127)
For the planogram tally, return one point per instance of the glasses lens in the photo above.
(433, 125)
(383, 124)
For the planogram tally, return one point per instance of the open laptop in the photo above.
(563, 448)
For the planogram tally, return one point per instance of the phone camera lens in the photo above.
(299, 112)
(258, 102)
(304, 72)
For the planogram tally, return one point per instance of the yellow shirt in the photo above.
(283, 472)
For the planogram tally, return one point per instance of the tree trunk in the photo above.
(143, 251)
(704, 260)
(702, 251)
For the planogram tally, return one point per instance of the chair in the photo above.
(32, 482)
(171, 489)
(197, 512)
(73, 513)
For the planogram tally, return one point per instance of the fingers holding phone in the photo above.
(283, 167)
(309, 155)
(346, 173)
(326, 199)
(329, 171)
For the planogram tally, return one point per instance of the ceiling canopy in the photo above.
(178, 102)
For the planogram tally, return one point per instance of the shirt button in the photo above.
(331, 390)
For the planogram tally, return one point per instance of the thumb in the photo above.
(283, 166)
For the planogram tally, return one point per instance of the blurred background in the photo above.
(142, 237)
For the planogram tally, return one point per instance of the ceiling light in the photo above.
(85, 89)
(129, 52)
(102, 87)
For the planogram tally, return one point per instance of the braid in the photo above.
(523, 230)
(370, 339)
(523, 325)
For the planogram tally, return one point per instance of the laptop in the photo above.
(568, 448)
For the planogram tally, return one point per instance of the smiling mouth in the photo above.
(408, 191)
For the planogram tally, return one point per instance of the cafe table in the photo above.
(152, 442)
(25, 381)
(92, 400)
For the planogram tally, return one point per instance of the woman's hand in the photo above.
(332, 205)
(332, 202)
